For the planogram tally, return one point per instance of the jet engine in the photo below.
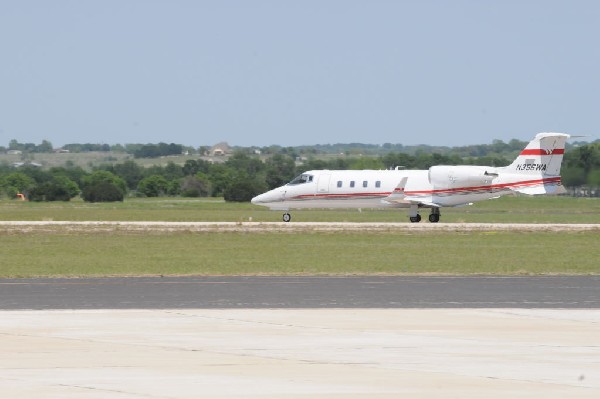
(461, 176)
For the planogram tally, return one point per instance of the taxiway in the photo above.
(247, 226)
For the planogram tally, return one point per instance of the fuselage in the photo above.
(381, 189)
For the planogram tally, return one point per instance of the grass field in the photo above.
(88, 160)
(166, 253)
(502, 210)
(301, 253)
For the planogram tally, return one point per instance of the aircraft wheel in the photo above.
(434, 218)
(415, 219)
(287, 217)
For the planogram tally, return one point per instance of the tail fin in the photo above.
(543, 155)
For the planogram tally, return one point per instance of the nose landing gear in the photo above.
(287, 217)
(415, 219)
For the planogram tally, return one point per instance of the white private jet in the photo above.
(535, 171)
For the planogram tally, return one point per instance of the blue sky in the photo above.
(297, 73)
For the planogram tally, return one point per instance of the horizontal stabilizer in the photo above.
(541, 189)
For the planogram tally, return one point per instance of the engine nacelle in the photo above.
(461, 176)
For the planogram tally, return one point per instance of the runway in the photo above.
(565, 292)
(249, 226)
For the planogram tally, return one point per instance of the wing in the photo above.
(397, 196)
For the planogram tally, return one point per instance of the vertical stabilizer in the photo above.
(543, 155)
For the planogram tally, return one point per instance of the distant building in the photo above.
(61, 151)
(219, 150)
(14, 152)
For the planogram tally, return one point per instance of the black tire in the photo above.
(415, 219)
(287, 217)
(434, 218)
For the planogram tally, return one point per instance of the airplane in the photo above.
(535, 171)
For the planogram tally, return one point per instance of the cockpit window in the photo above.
(303, 178)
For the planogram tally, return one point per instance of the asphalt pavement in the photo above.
(541, 292)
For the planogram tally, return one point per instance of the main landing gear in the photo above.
(434, 216)
(287, 217)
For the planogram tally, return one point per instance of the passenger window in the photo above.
(339, 183)
(378, 184)
(352, 183)
(365, 183)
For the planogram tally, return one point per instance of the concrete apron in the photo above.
(325, 353)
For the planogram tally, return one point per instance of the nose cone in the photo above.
(264, 198)
(257, 200)
(269, 198)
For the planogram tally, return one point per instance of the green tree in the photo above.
(16, 182)
(243, 189)
(587, 158)
(153, 186)
(60, 188)
(68, 185)
(37, 174)
(393, 160)
(103, 176)
(243, 164)
(593, 178)
(103, 191)
(280, 169)
(172, 171)
(193, 166)
(103, 186)
(174, 187)
(46, 146)
(129, 171)
(74, 173)
(19, 181)
(220, 177)
(195, 186)
(573, 176)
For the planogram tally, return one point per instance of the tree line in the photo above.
(497, 148)
(242, 176)
(137, 150)
(237, 179)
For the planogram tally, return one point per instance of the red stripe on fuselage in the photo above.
(490, 187)
(539, 151)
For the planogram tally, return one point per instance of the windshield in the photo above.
(303, 178)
